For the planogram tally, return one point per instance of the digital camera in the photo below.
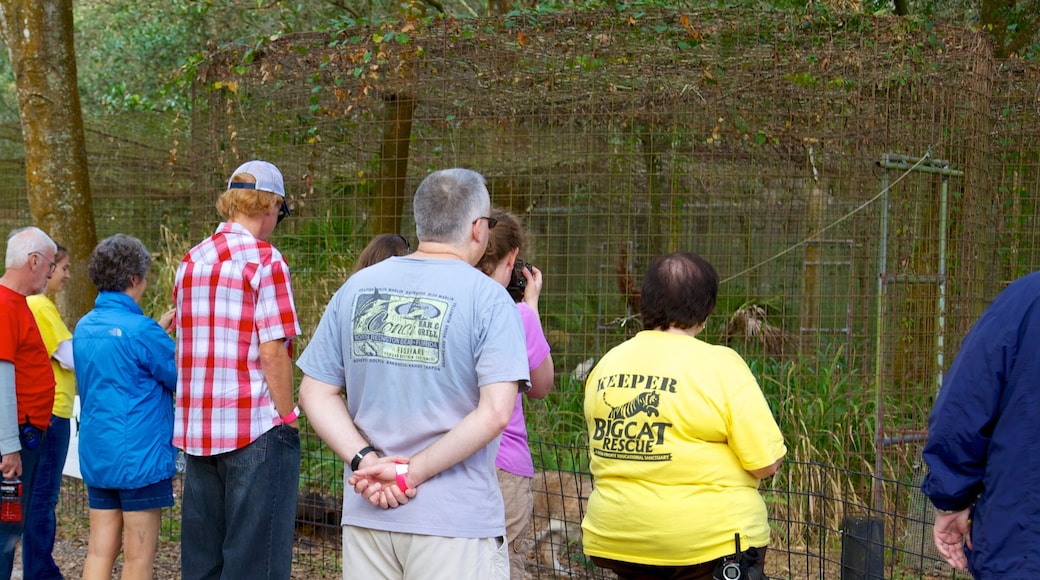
(517, 282)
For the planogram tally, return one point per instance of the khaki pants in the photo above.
(516, 492)
(377, 555)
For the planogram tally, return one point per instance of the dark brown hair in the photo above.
(678, 290)
(380, 248)
(505, 237)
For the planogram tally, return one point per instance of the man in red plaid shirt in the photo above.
(236, 412)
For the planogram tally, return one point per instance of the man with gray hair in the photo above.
(430, 353)
(26, 377)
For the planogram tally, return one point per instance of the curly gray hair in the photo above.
(116, 260)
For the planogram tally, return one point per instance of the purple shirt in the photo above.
(514, 455)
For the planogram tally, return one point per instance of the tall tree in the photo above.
(38, 35)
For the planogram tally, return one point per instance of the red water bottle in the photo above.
(11, 500)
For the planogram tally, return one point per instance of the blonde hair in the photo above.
(246, 202)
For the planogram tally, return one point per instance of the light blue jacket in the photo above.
(127, 377)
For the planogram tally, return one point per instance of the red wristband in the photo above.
(402, 469)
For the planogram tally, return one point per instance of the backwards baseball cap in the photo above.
(267, 178)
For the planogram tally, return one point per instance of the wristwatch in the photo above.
(356, 461)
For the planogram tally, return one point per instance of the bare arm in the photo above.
(472, 433)
(542, 379)
(534, 287)
(765, 472)
(542, 376)
(475, 431)
(326, 410)
(277, 368)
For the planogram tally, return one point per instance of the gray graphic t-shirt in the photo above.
(413, 340)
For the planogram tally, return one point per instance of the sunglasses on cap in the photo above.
(283, 212)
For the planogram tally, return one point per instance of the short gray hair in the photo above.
(447, 202)
(116, 260)
(25, 241)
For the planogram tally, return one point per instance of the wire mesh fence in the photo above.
(864, 186)
(819, 531)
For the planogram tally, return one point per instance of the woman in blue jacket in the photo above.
(127, 378)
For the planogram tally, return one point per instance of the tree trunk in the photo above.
(393, 164)
(38, 35)
(393, 150)
(662, 234)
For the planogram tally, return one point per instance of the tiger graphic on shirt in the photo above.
(642, 403)
(629, 431)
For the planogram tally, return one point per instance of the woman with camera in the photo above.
(501, 262)
(680, 436)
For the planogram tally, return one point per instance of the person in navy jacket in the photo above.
(127, 377)
(983, 449)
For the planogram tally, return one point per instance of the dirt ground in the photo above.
(70, 551)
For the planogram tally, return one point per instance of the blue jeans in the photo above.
(238, 516)
(10, 532)
(38, 536)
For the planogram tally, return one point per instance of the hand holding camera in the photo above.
(525, 283)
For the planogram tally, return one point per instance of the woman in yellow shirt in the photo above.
(680, 435)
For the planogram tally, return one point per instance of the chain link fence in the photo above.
(864, 186)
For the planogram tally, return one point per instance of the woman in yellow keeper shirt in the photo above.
(680, 436)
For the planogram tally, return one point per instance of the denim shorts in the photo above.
(149, 497)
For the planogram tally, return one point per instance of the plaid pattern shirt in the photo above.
(232, 293)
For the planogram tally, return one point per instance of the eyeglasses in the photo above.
(50, 264)
(283, 212)
(492, 222)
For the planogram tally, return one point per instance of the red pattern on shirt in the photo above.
(232, 293)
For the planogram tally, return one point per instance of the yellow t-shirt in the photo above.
(54, 332)
(674, 426)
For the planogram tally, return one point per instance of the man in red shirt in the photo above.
(26, 378)
(236, 412)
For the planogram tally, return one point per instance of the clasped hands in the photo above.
(378, 482)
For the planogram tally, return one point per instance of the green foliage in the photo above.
(130, 54)
(559, 422)
(320, 468)
(823, 408)
(826, 414)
